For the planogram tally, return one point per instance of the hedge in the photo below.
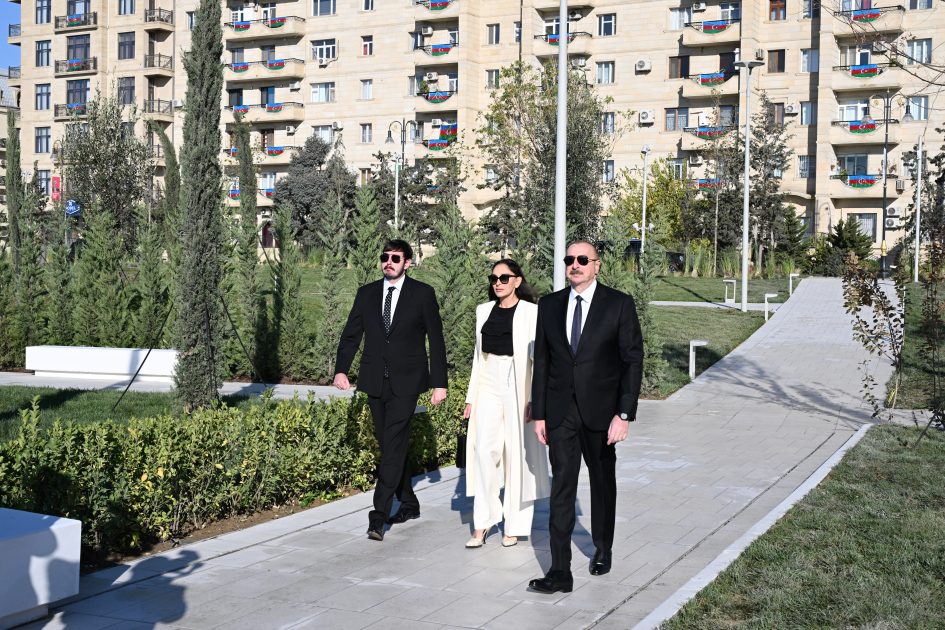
(155, 477)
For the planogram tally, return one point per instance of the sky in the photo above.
(9, 14)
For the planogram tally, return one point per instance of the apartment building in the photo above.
(358, 68)
(7, 102)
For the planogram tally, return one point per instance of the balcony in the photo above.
(436, 55)
(64, 112)
(712, 33)
(579, 43)
(79, 21)
(262, 29)
(269, 156)
(159, 109)
(861, 186)
(273, 112)
(77, 66)
(875, 76)
(698, 138)
(703, 85)
(158, 65)
(157, 154)
(158, 20)
(13, 32)
(857, 134)
(273, 68)
(14, 76)
(869, 21)
(435, 10)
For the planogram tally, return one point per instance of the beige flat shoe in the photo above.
(509, 541)
(475, 543)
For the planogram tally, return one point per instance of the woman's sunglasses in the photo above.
(504, 278)
(582, 260)
(394, 257)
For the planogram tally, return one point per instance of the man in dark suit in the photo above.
(395, 316)
(585, 385)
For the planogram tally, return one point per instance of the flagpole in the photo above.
(561, 165)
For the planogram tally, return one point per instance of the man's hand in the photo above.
(540, 431)
(341, 381)
(467, 411)
(618, 430)
(439, 395)
(528, 413)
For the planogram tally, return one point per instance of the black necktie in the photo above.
(387, 304)
(576, 325)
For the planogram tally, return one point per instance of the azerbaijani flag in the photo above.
(276, 22)
(234, 194)
(75, 20)
(439, 5)
(76, 64)
(714, 78)
(437, 97)
(241, 109)
(714, 27)
(76, 107)
(268, 192)
(864, 72)
(433, 190)
(241, 26)
(275, 64)
(708, 132)
(240, 67)
(233, 151)
(438, 50)
(437, 145)
(274, 150)
(865, 15)
(861, 181)
(858, 127)
(274, 107)
(709, 183)
(448, 131)
(554, 39)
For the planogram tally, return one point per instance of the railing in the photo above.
(243, 109)
(162, 62)
(271, 64)
(159, 15)
(157, 151)
(79, 19)
(277, 22)
(77, 65)
(866, 15)
(863, 181)
(553, 38)
(877, 122)
(264, 151)
(14, 30)
(708, 132)
(14, 72)
(157, 106)
(435, 5)
(714, 26)
(437, 96)
(709, 79)
(72, 109)
(435, 50)
(880, 67)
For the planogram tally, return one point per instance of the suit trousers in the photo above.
(567, 443)
(392, 416)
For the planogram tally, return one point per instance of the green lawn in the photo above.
(865, 549)
(683, 289)
(916, 378)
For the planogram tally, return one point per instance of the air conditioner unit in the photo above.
(791, 108)
(430, 77)
(901, 185)
(703, 119)
(579, 62)
(426, 31)
(484, 142)
(893, 211)
(760, 54)
(575, 15)
(436, 122)
(647, 116)
(323, 61)
(698, 6)
(178, 102)
(880, 47)
(295, 86)
(3, 198)
(892, 223)
(3, 163)
(290, 129)
(695, 160)
(644, 65)
(337, 125)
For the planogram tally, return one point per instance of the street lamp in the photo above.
(747, 64)
(646, 152)
(868, 120)
(402, 126)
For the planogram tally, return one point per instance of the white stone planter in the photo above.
(101, 363)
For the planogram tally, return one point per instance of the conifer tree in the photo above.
(294, 344)
(770, 157)
(58, 280)
(366, 232)
(29, 328)
(168, 216)
(198, 334)
(151, 284)
(14, 188)
(642, 288)
(332, 237)
(7, 307)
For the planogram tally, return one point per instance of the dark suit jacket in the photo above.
(416, 318)
(606, 374)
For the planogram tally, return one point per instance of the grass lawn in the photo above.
(865, 549)
(683, 289)
(916, 378)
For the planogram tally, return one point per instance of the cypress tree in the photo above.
(294, 343)
(198, 334)
(7, 307)
(366, 233)
(642, 288)
(332, 236)
(152, 283)
(14, 188)
(58, 278)
(29, 328)
(169, 215)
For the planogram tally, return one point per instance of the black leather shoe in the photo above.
(600, 563)
(553, 582)
(375, 530)
(403, 515)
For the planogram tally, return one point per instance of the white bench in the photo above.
(40, 564)
(101, 363)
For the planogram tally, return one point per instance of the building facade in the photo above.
(355, 67)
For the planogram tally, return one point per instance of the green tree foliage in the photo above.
(58, 279)
(303, 188)
(367, 234)
(642, 288)
(933, 195)
(8, 354)
(793, 239)
(14, 188)
(30, 290)
(199, 333)
(168, 214)
(770, 158)
(294, 342)
(151, 285)
(332, 237)
(848, 236)
(669, 199)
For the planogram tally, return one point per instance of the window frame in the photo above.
(731, 9)
(318, 130)
(806, 166)
(43, 93)
(493, 34)
(917, 7)
(329, 88)
(367, 89)
(777, 10)
(776, 60)
(191, 20)
(673, 113)
(875, 220)
(123, 46)
(679, 67)
(675, 13)
(44, 179)
(43, 12)
(609, 174)
(811, 113)
(126, 7)
(322, 44)
(919, 106)
(517, 32)
(810, 9)
(808, 54)
(492, 79)
(777, 113)
(317, 6)
(367, 45)
(911, 59)
(81, 87)
(44, 54)
(72, 48)
(126, 90)
(42, 139)
(605, 20)
(367, 5)
(611, 74)
(608, 123)
(367, 131)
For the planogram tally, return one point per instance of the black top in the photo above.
(497, 331)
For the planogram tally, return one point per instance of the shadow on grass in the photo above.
(699, 298)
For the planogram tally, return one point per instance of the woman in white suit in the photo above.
(500, 452)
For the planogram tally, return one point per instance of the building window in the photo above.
(853, 110)
(268, 11)
(365, 177)
(42, 139)
(492, 33)
(43, 11)
(808, 113)
(677, 118)
(267, 95)
(727, 62)
(43, 92)
(367, 45)
(853, 164)
(126, 7)
(492, 79)
(605, 72)
(518, 32)
(126, 90)
(190, 20)
(236, 97)
(775, 61)
(43, 52)
(416, 40)
(607, 25)
(454, 36)
(412, 84)
(810, 9)
(367, 130)
(919, 107)
(236, 55)
(777, 10)
(453, 84)
(807, 166)
(810, 60)
(608, 174)
(731, 11)
(323, 7)
(919, 51)
(854, 55)
(267, 137)
(777, 113)
(679, 67)
(367, 5)
(79, 47)
(325, 133)
(77, 92)
(867, 222)
(323, 92)
(919, 4)
(44, 181)
(491, 176)
(78, 7)
(367, 89)
(678, 18)
(607, 123)
(267, 180)
(323, 49)
(728, 114)
(908, 163)
(678, 165)
(126, 45)
(267, 53)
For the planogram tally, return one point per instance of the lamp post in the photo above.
(402, 125)
(646, 152)
(747, 64)
(868, 120)
(561, 148)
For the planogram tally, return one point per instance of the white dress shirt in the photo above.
(586, 298)
(398, 286)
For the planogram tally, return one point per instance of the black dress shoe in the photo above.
(553, 582)
(600, 563)
(375, 530)
(403, 515)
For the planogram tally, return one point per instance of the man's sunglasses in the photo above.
(504, 278)
(394, 257)
(582, 260)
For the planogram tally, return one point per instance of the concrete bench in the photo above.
(39, 566)
(101, 363)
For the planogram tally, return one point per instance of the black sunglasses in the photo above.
(582, 260)
(504, 278)
(394, 257)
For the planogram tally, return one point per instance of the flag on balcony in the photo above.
(276, 22)
(437, 97)
(864, 72)
(275, 64)
(433, 190)
(861, 181)
(234, 194)
(232, 150)
(241, 109)
(866, 15)
(75, 108)
(709, 183)
(241, 26)
(268, 192)
(437, 145)
(714, 78)
(273, 107)
(709, 132)
(76, 64)
(858, 127)
(448, 131)
(274, 150)
(75, 20)
(439, 5)
(240, 67)
(554, 39)
(714, 27)
(438, 50)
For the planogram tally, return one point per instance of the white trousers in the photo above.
(497, 404)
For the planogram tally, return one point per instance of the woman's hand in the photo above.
(528, 413)
(467, 411)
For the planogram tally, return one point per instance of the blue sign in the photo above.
(73, 209)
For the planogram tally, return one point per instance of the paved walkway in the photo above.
(752, 306)
(697, 472)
